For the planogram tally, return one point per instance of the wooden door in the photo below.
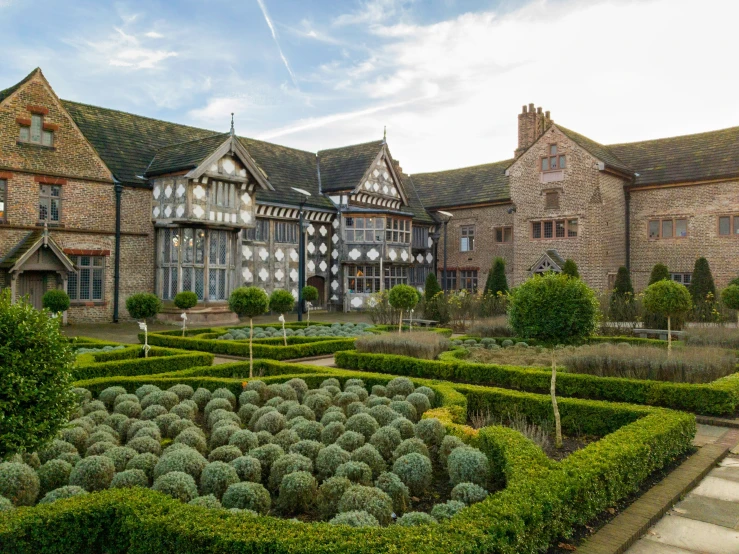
(33, 285)
(320, 284)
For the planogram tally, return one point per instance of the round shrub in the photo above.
(469, 493)
(404, 408)
(93, 406)
(363, 424)
(93, 473)
(177, 484)
(224, 453)
(415, 471)
(350, 441)
(414, 519)
(356, 472)
(117, 421)
(85, 422)
(83, 395)
(449, 443)
(219, 418)
(411, 445)
(370, 499)
(281, 390)
(217, 404)
(318, 404)
(153, 411)
(272, 422)
(143, 390)
(467, 464)
(184, 411)
(5, 504)
(332, 432)
(307, 448)
(361, 392)
(431, 432)
(108, 396)
(53, 474)
(420, 402)
(145, 444)
(355, 519)
(332, 416)
(246, 412)
(219, 437)
(308, 430)
(329, 495)
(370, 456)
(300, 410)
(247, 468)
(225, 394)
(247, 496)
(329, 459)
(129, 478)
(441, 512)
(58, 447)
(185, 459)
(129, 408)
(62, 492)
(285, 439)
(185, 300)
(283, 406)
(150, 432)
(264, 437)
(120, 455)
(396, 490)
(399, 385)
(174, 429)
(267, 455)
(249, 397)
(201, 397)
(330, 382)
(285, 465)
(386, 440)
(373, 401)
(145, 462)
(383, 415)
(136, 426)
(182, 391)
(353, 383)
(207, 501)
(143, 305)
(345, 398)
(69, 458)
(430, 394)
(300, 386)
(166, 399)
(99, 448)
(193, 437)
(297, 492)
(404, 426)
(244, 440)
(379, 390)
(216, 478)
(98, 416)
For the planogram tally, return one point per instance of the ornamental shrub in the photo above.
(307, 448)
(193, 437)
(185, 459)
(414, 519)
(420, 402)
(56, 301)
(415, 471)
(409, 446)
(404, 426)
(221, 435)
(226, 453)
(216, 478)
(137, 425)
(405, 409)
(496, 281)
(267, 454)
(441, 512)
(247, 468)
(730, 298)
(143, 305)
(247, 496)
(308, 430)
(244, 439)
(146, 462)
(62, 492)
(383, 414)
(183, 411)
(350, 441)
(5, 504)
(120, 455)
(364, 424)
(99, 448)
(129, 478)
(153, 411)
(332, 431)
(333, 416)
(177, 484)
(468, 465)
(52, 475)
(35, 377)
(174, 429)
(355, 519)
(329, 495)
(76, 436)
(330, 382)
(570, 268)
(201, 397)
(185, 300)
(226, 394)
(469, 493)
(249, 302)
(183, 392)
(402, 298)
(702, 290)
(264, 437)
(318, 403)
(449, 443)
(369, 499)
(370, 456)
(669, 299)
(128, 408)
(285, 439)
(329, 459)
(431, 432)
(144, 390)
(297, 492)
(217, 404)
(400, 385)
(93, 473)
(285, 465)
(250, 397)
(207, 501)
(302, 411)
(163, 398)
(272, 422)
(391, 484)
(386, 440)
(57, 447)
(108, 396)
(356, 472)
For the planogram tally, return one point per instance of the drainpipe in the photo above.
(628, 228)
(117, 262)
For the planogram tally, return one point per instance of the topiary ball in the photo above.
(364, 424)
(467, 464)
(247, 468)
(58, 447)
(404, 426)
(370, 456)
(405, 409)
(244, 440)
(370, 499)
(183, 392)
(128, 408)
(329, 459)
(386, 440)
(145, 444)
(356, 472)
(307, 448)
(297, 492)
(449, 443)
(272, 422)
(431, 432)
(62, 492)
(226, 394)
(331, 432)
(329, 495)
(177, 484)
(201, 397)
(145, 462)
(207, 501)
(184, 459)
(411, 445)
(93, 473)
(420, 402)
(129, 478)
(5, 504)
(350, 441)
(216, 478)
(120, 455)
(442, 512)
(415, 471)
(285, 439)
(414, 519)
(469, 493)
(224, 453)
(285, 465)
(318, 404)
(400, 385)
(355, 519)
(333, 415)
(247, 496)
(52, 475)
(391, 484)
(76, 436)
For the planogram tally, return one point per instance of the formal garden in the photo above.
(511, 436)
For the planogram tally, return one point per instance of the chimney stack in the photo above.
(532, 123)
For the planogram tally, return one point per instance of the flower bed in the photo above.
(537, 501)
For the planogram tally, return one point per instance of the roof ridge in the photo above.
(276, 144)
(379, 142)
(465, 167)
(191, 140)
(4, 93)
(735, 127)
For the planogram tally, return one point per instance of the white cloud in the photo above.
(277, 42)
(372, 12)
(154, 34)
(123, 49)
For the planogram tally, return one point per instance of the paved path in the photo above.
(706, 521)
(327, 361)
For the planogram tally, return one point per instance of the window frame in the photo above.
(76, 279)
(395, 275)
(43, 133)
(468, 277)
(554, 227)
(502, 230)
(553, 155)
(451, 279)
(420, 237)
(49, 197)
(733, 225)
(417, 275)
(682, 277)
(286, 230)
(397, 230)
(376, 231)
(3, 200)
(260, 231)
(370, 283)
(467, 232)
(661, 221)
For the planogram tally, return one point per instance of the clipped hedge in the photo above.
(718, 398)
(445, 331)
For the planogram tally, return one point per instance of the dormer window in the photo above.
(35, 131)
(554, 161)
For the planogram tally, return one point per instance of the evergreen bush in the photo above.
(415, 471)
(143, 305)
(177, 484)
(56, 301)
(93, 473)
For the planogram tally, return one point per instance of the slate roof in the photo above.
(343, 168)
(415, 204)
(603, 153)
(21, 248)
(184, 155)
(459, 187)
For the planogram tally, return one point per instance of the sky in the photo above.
(447, 78)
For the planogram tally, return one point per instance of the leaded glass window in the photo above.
(88, 284)
(50, 203)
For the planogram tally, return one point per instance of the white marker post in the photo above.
(146, 347)
(184, 322)
(281, 319)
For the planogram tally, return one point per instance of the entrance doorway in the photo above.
(320, 284)
(33, 285)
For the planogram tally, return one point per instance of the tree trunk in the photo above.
(284, 336)
(400, 322)
(669, 337)
(251, 356)
(557, 422)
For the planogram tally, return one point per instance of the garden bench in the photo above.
(421, 322)
(661, 333)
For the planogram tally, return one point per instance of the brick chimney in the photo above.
(532, 123)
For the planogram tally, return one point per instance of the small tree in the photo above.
(659, 273)
(143, 305)
(431, 303)
(185, 300)
(310, 294)
(652, 320)
(702, 290)
(432, 287)
(730, 297)
(402, 298)
(249, 302)
(669, 299)
(281, 302)
(56, 301)
(496, 281)
(554, 309)
(570, 268)
(36, 398)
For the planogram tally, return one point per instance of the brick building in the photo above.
(104, 204)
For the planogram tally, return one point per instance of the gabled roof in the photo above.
(34, 240)
(184, 155)
(460, 187)
(415, 204)
(549, 261)
(597, 150)
(343, 168)
(10, 90)
(20, 249)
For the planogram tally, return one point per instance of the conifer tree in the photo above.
(659, 273)
(497, 281)
(570, 268)
(623, 285)
(702, 290)
(432, 287)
